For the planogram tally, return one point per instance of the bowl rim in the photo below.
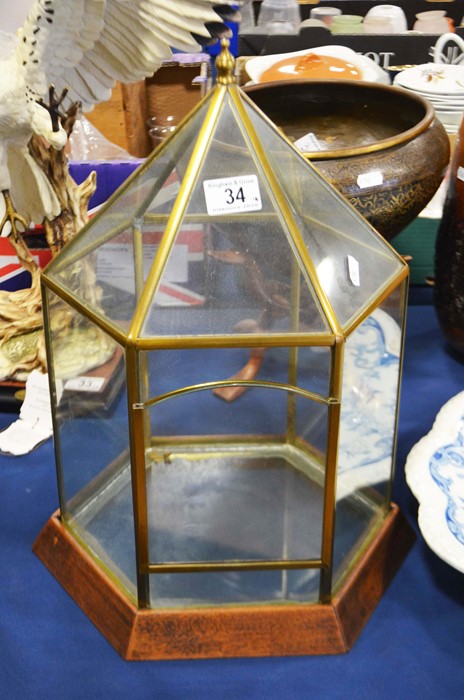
(382, 144)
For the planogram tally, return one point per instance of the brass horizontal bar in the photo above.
(233, 565)
(172, 442)
(270, 340)
(208, 386)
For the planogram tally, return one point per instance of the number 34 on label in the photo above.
(232, 195)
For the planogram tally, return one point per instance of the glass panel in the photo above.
(251, 279)
(314, 366)
(368, 420)
(222, 485)
(257, 411)
(92, 440)
(311, 428)
(352, 261)
(247, 503)
(230, 292)
(182, 590)
(106, 265)
(170, 370)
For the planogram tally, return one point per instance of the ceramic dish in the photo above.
(370, 71)
(450, 122)
(435, 474)
(448, 110)
(367, 425)
(457, 105)
(394, 13)
(433, 78)
(445, 96)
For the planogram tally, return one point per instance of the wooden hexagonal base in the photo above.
(261, 630)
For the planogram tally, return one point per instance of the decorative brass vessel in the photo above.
(380, 146)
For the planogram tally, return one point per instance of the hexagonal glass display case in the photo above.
(224, 343)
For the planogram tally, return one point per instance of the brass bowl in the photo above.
(383, 148)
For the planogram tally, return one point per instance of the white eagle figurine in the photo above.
(84, 47)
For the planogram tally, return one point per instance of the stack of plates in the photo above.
(442, 85)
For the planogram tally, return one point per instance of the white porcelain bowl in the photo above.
(394, 13)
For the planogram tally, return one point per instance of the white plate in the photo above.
(370, 71)
(451, 115)
(433, 78)
(439, 98)
(434, 96)
(367, 424)
(435, 474)
(442, 100)
(445, 107)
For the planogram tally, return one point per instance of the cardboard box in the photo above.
(175, 88)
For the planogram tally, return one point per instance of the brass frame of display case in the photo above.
(256, 629)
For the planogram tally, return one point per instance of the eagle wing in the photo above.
(88, 45)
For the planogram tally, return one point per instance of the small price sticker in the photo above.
(309, 142)
(353, 271)
(373, 178)
(84, 383)
(231, 195)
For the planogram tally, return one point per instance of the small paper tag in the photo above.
(35, 419)
(36, 404)
(21, 437)
(460, 173)
(231, 195)
(91, 384)
(371, 179)
(309, 142)
(353, 271)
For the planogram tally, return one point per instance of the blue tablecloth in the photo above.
(413, 645)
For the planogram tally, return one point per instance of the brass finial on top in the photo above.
(225, 65)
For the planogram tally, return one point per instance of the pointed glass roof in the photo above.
(226, 230)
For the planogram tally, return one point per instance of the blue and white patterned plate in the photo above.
(370, 387)
(435, 474)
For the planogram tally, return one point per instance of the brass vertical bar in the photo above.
(293, 351)
(138, 256)
(54, 402)
(139, 487)
(404, 305)
(143, 359)
(291, 412)
(330, 483)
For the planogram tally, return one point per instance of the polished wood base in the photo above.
(255, 630)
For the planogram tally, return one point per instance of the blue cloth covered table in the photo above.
(412, 646)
